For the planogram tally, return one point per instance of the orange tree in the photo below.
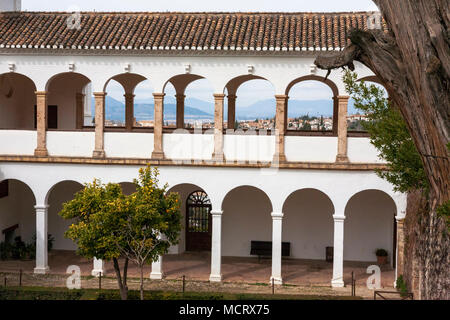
(110, 225)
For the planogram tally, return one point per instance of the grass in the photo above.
(46, 293)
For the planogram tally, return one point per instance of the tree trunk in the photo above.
(122, 285)
(411, 58)
(141, 267)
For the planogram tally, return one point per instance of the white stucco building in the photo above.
(311, 189)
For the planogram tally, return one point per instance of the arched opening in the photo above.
(68, 101)
(17, 219)
(250, 103)
(246, 218)
(369, 225)
(59, 194)
(144, 105)
(129, 102)
(311, 106)
(17, 101)
(183, 260)
(187, 194)
(308, 224)
(189, 102)
(357, 117)
(114, 105)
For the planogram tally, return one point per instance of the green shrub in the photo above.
(401, 286)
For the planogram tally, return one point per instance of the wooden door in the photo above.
(198, 222)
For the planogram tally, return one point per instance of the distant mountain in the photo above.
(115, 110)
(199, 109)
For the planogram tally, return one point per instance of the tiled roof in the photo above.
(180, 31)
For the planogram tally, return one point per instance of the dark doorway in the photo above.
(198, 222)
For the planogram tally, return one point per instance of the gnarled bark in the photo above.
(412, 61)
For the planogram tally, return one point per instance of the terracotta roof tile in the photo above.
(181, 31)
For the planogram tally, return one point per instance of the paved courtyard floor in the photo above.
(238, 271)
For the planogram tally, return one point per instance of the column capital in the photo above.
(99, 94)
(158, 95)
(338, 217)
(342, 97)
(41, 93)
(129, 94)
(232, 96)
(180, 96)
(281, 96)
(216, 212)
(277, 215)
(220, 96)
(400, 219)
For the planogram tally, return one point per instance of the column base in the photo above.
(337, 283)
(215, 278)
(96, 272)
(157, 155)
(218, 157)
(156, 275)
(342, 159)
(276, 281)
(279, 158)
(98, 154)
(41, 152)
(44, 270)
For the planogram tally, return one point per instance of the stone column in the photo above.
(41, 239)
(338, 256)
(218, 127)
(180, 110)
(41, 124)
(157, 273)
(231, 111)
(280, 128)
(99, 151)
(400, 261)
(335, 115)
(79, 110)
(158, 152)
(129, 111)
(277, 226)
(99, 267)
(216, 247)
(342, 105)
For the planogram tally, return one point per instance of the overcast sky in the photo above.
(200, 5)
(249, 92)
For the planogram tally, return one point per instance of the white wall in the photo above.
(249, 147)
(314, 149)
(308, 224)
(128, 144)
(18, 142)
(70, 143)
(362, 151)
(188, 146)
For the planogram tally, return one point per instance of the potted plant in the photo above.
(382, 256)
